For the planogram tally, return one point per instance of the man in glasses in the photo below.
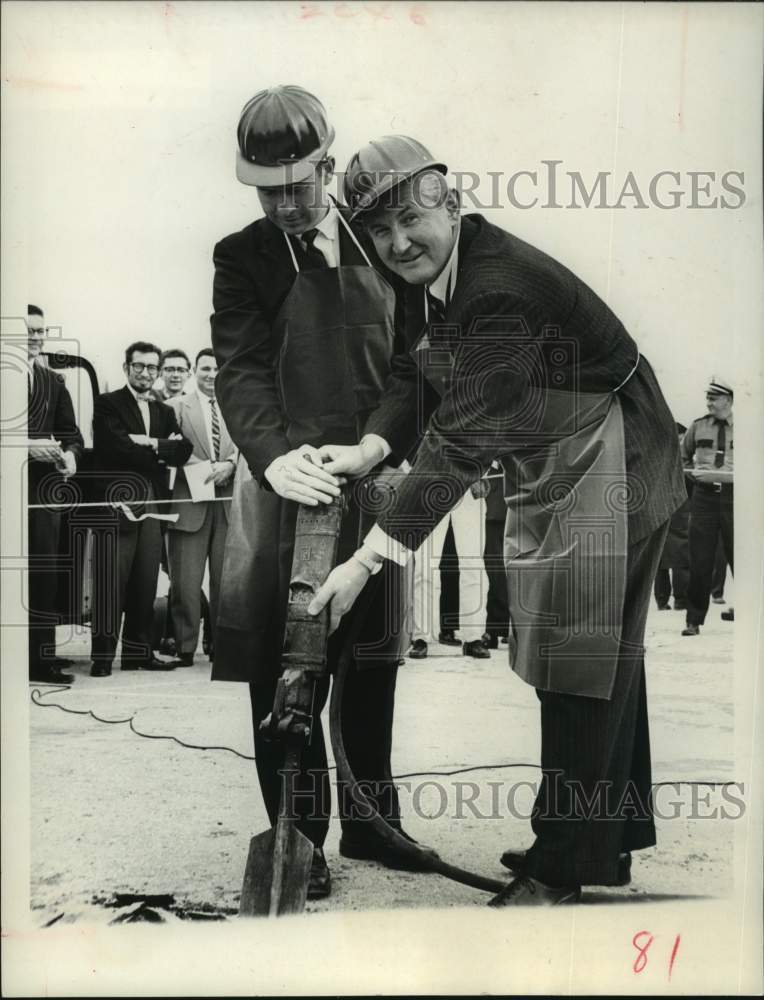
(174, 369)
(135, 440)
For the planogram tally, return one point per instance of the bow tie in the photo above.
(143, 397)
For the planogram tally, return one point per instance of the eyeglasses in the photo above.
(167, 370)
(139, 367)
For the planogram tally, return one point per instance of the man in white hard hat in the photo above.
(303, 332)
(520, 361)
(707, 449)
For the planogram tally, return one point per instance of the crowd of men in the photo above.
(152, 438)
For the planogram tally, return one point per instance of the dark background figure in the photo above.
(719, 576)
(51, 423)
(135, 440)
(497, 605)
(449, 590)
(674, 568)
(708, 453)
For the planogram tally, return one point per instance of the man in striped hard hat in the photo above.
(303, 332)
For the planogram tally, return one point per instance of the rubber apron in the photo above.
(565, 537)
(335, 331)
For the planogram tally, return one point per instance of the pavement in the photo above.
(145, 786)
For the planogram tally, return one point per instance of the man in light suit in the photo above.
(199, 534)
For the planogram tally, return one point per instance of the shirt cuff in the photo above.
(386, 546)
(380, 441)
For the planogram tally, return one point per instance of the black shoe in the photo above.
(691, 630)
(61, 663)
(101, 670)
(391, 857)
(515, 861)
(476, 649)
(49, 675)
(718, 599)
(320, 881)
(526, 891)
(490, 641)
(418, 650)
(207, 647)
(184, 660)
(447, 638)
(664, 607)
(155, 664)
(680, 605)
(728, 616)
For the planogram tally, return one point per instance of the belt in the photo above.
(715, 487)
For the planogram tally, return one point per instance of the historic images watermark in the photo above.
(504, 799)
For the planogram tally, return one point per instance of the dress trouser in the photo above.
(594, 800)
(43, 532)
(497, 604)
(467, 520)
(711, 517)
(125, 571)
(367, 726)
(188, 554)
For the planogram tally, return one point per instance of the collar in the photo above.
(443, 287)
(138, 399)
(328, 225)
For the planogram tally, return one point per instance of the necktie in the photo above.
(313, 256)
(721, 443)
(436, 311)
(215, 431)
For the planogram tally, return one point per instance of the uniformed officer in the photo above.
(707, 451)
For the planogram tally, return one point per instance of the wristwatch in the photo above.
(366, 561)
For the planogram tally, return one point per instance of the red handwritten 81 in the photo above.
(642, 941)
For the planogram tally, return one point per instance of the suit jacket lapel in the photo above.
(132, 412)
(193, 409)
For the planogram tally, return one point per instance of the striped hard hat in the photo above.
(282, 134)
(381, 165)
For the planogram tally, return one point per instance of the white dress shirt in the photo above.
(327, 238)
(143, 406)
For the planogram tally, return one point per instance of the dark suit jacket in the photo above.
(509, 295)
(188, 410)
(127, 469)
(253, 275)
(50, 414)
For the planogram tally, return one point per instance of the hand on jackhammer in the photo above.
(298, 476)
(339, 591)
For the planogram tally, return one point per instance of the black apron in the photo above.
(335, 330)
(565, 537)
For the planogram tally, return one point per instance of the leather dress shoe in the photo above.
(728, 615)
(527, 891)
(476, 649)
(100, 670)
(664, 607)
(185, 660)
(691, 630)
(515, 861)
(490, 641)
(155, 664)
(49, 674)
(418, 650)
(447, 638)
(320, 880)
(375, 849)
(718, 600)
(680, 605)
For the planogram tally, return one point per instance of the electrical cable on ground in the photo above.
(36, 695)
